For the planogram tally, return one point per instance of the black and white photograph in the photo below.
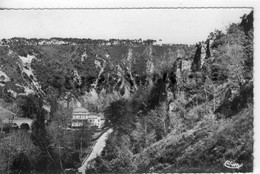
(127, 88)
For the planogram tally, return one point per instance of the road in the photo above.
(97, 149)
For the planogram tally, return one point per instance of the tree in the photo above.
(17, 146)
(217, 37)
(249, 53)
(66, 144)
(40, 138)
(121, 115)
(21, 164)
(232, 55)
(142, 136)
(83, 137)
(28, 106)
(158, 120)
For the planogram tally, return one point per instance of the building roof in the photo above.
(81, 109)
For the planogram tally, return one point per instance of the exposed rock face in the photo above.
(208, 52)
(91, 73)
(233, 103)
(185, 65)
(203, 52)
(247, 22)
(83, 70)
(197, 59)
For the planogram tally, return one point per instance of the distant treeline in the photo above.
(71, 41)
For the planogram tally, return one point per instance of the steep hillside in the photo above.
(196, 118)
(83, 71)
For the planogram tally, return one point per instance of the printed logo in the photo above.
(232, 165)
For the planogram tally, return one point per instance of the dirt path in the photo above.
(97, 149)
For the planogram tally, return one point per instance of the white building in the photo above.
(81, 116)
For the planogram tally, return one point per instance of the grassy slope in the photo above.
(210, 143)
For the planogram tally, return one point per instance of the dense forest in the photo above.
(172, 108)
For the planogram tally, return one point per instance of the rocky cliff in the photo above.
(87, 72)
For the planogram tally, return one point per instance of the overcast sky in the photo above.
(171, 25)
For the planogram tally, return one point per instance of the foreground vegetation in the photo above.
(47, 147)
(204, 121)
